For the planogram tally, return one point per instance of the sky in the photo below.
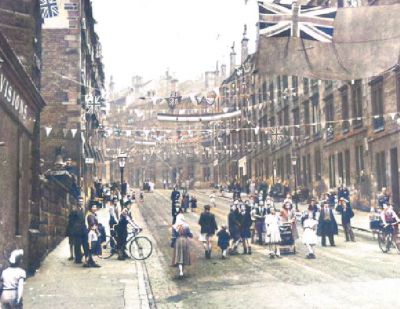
(188, 37)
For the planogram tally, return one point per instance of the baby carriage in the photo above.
(287, 244)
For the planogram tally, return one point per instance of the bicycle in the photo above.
(385, 238)
(137, 247)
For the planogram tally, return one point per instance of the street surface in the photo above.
(350, 275)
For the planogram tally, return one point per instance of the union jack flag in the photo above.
(306, 22)
(48, 8)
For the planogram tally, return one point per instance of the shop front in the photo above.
(20, 106)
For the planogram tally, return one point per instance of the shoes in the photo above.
(333, 245)
(223, 257)
(78, 262)
(94, 265)
(271, 255)
(70, 258)
(85, 265)
(313, 256)
(121, 258)
(244, 251)
(249, 251)
(353, 240)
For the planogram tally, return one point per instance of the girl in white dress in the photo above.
(272, 221)
(12, 282)
(309, 232)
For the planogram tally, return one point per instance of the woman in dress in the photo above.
(272, 221)
(309, 231)
(288, 215)
(180, 236)
(12, 282)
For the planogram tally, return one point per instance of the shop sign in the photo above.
(14, 101)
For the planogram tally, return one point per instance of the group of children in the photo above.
(266, 223)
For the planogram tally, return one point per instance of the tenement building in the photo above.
(72, 85)
(314, 134)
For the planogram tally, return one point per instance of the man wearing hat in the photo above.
(12, 282)
(78, 231)
(327, 226)
(347, 213)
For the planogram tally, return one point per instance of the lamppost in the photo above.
(122, 161)
(294, 164)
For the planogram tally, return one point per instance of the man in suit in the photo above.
(327, 226)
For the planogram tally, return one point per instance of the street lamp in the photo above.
(122, 161)
(294, 164)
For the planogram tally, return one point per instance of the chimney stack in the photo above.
(245, 43)
(233, 58)
(223, 71)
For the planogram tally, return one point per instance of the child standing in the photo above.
(274, 236)
(223, 240)
(12, 282)
(309, 233)
(93, 239)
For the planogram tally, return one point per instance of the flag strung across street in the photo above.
(49, 8)
(328, 43)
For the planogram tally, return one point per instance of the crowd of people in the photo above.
(257, 220)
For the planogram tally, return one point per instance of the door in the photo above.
(394, 176)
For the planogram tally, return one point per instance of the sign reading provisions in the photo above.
(89, 160)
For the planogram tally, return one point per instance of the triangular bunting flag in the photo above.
(48, 130)
(73, 132)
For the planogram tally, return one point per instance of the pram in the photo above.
(287, 244)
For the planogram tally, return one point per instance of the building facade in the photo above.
(72, 85)
(311, 133)
(20, 107)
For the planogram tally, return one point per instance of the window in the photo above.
(286, 116)
(340, 167)
(356, 98)
(309, 173)
(285, 86)
(295, 84)
(305, 170)
(271, 92)
(380, 167)
(347, 169)
(306, 86)
(316, 115)
(359, 161)
(344, 94)
(332, 171)
(330, 118)
(296, 121)
(307, 118)
(264, 91)
(279, 88)
(318, 165)
(314, 86)
(378, 121)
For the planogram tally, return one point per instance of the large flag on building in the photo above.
(328, 43)
(49, 8)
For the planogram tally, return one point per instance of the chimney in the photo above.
(245, 43)
(233, 58)
(223, 71)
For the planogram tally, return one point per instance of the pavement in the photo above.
(60, 283)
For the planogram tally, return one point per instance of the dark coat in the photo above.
(208, 223)
(234, 223)
(175, 195)
(78, 226)
(347, 213)
(327, 227)
(223, 239)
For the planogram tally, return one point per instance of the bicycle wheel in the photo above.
(140, 248)
(108, 248)
(383, 241)
(396, 243)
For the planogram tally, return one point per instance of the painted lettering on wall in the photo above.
(11, 96)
